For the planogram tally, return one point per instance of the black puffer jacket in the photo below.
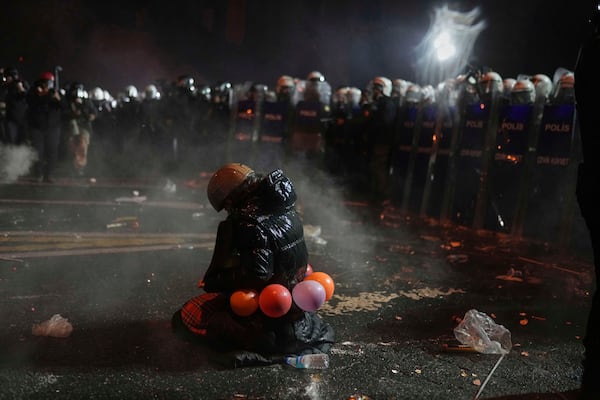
(261, 241)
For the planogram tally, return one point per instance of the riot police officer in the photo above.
(44, 114)
(80, 114)
(380, 135)
(14, 96)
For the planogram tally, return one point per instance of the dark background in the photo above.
(113, 44)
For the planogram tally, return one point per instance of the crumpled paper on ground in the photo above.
(313, 233)
(57, 326)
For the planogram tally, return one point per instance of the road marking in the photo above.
(164, 204)
(34, 244)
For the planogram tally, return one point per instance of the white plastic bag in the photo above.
(480, 332)
(57, 326)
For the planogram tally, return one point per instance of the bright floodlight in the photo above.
(447, 46)
(444, 48)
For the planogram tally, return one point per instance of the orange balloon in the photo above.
(244, 302)
(275, 300)
(324, 280)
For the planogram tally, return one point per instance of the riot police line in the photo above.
(477, 150)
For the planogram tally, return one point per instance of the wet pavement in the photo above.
(118, 257)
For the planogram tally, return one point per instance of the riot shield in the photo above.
(248, 103)
(507, 172)
(469, 163)
(550, 202)
(435, 179)
(423, 151)
(275, 128)
(401, 153)
(312, 113)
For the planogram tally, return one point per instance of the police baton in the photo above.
(57, 70)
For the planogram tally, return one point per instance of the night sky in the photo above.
(113, 44)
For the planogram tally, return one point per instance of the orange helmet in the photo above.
(225, 181)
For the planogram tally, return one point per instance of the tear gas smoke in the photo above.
(446, 49)
(321, 201)
(15, 161)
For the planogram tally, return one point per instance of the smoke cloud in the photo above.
(15, 161)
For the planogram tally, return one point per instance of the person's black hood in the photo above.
(273, 193)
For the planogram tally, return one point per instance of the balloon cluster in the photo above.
(275, 300)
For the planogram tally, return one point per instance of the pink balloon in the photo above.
(309, 295)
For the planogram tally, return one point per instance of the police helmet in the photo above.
(543, 85)
(131, 91)
(284, 82)
(490, 83)
(384, 83)
(523, 92)
(151, 92)
(315, 76)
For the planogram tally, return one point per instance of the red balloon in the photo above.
(324, 280)
(309, 295)
(309, 270)
(275, 300)
(244, 302)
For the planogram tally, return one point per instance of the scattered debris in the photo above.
(403, 249)
(57, 326)
(550, 265)
(458, 348)
(457, 258)
(511, 275)
(134, 199)
(430, 238)
(197, 215)
(170, 187)
(124, 222)
(313, 233)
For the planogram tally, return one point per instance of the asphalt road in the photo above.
(117, 258)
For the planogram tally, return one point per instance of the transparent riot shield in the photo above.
(312, 113)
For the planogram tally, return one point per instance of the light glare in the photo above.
(444, 47)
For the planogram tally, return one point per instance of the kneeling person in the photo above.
(261, 242)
